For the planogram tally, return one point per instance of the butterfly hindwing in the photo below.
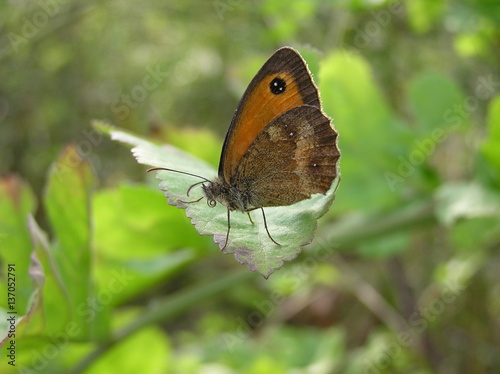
(283, 83)
(294, 157)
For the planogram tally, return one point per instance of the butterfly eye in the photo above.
(277, 86)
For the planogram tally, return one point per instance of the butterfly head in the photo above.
(211, 191)
(221, 192)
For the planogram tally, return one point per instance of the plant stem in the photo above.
(353, 230)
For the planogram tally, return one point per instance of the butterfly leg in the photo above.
(249, 217)
(228, 228)
(267, 230)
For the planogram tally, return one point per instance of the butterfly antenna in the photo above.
(180, 172)
(205, 180)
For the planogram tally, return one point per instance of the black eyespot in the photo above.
(277, 86)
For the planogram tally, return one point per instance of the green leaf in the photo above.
(140, 213)
(200, 143)
(68, 202)
(491, 146)
(17, 201)
(423, 14)
(67, 199)
(286, 18)
(438, 103)
(129, 355)
(142, 216)
(291, 226)
(475, 235)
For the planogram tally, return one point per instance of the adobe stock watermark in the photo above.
(223, 6)
(380, 19)
(369, 32)
(453, 118)
(265, 308)
(151, 80)
(419, 321)
(88, 310)
(31, 26)
(85, 149)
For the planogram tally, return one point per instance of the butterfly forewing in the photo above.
(283, 83)
(294, 157)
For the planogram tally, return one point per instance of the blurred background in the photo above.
(404, 273)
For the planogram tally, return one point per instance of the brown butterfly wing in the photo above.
(295, 156)
(283, 83)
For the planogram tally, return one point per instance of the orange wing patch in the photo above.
(261, 107)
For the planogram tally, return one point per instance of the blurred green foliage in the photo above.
(403, 273)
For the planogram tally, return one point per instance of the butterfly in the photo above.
(280, 147)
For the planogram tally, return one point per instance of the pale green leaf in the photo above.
(466, 200)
